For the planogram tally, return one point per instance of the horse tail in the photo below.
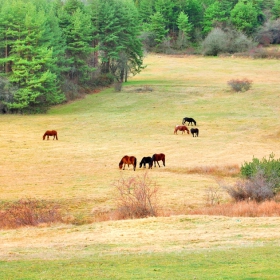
(183, 121)
(135, 163)
(197, 132)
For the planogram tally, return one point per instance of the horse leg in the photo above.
(158, 164)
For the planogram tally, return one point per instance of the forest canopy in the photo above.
(51, 51)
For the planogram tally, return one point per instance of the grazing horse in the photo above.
(146, 160)
(189, 121)
(50, 133)
(182, 128)
(128, 160)
(194, 132)
(157, 158)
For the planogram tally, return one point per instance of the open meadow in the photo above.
(79, 170)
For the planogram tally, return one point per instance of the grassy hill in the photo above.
(79, 170)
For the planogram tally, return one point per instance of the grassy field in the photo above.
(78, 171)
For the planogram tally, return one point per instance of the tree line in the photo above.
(52, 50)
(182, 23)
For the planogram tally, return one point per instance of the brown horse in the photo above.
(157, 158)
(128, 160)
(50, 133)
(182, 128)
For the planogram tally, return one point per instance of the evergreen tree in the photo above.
(146, 8)
(214, 16)
(157, 26)
(244, 16)
(76, 25)
(185, 28)
(166, 9)
(28, 58)
(118, 35)
(195, 13)
(276, 9)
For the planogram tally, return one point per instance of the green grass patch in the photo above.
(242, 263)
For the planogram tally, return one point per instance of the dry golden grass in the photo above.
(169, 234)
(78, 170)
(242, 209)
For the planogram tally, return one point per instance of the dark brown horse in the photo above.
(157, 158)
(146, 160)
(182, 128)
(50, 133)
(194, 132)
(128, 160)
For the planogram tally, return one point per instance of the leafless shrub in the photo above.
(136, 197)
(28, 212)
(240, 85)
(257, 188)
(213, 195)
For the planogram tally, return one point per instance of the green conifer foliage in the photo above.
(27, 59)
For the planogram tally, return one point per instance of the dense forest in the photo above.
(51, 51)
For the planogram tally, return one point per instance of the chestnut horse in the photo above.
(50, 133)
(182, 128)
(157, 158)
(194, 132)
(128, 160)
(189, 121)
(146, 160)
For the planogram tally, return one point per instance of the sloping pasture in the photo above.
(78, 171)
(95, 132)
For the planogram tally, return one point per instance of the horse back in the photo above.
(156, 157)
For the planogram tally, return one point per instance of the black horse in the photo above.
(194, 132)
(189, 121)
(146, 160)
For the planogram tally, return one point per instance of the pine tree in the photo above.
(157, 26)
(185, 28)
(214, 16)
(244, 16)
(118, 35)
(76, 25)
(276, 9)
(28, 58)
